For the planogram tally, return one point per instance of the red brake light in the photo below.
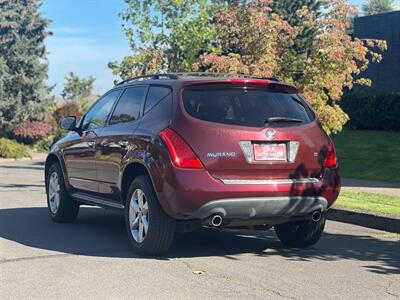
(181, 154)
(330, 160)
(280, 86)
(249, 81)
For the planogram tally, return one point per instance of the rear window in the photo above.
(243, 106)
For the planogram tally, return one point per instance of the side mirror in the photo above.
(68, 123)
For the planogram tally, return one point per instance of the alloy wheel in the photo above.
(54, 192)
(139, 215)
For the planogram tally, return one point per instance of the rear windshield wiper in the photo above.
(282, 120)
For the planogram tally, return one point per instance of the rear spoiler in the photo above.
(270, 84)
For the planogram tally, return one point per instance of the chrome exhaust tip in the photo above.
(316, 216)
(216, 220)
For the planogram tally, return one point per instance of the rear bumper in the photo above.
(195, 194)
(262, 207)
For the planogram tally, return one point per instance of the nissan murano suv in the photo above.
(175, 152)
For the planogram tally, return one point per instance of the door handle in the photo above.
(123, 143)
(90, 144)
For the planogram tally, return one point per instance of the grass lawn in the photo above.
(369, 202)
(371, 155)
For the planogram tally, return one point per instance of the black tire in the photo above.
(161, 227)
(68, 209)
(300, 234)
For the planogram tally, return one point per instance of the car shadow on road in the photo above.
(102, 233)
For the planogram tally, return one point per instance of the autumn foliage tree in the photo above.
(253, 37)
(255, 41)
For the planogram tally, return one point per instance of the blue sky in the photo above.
(86, 36)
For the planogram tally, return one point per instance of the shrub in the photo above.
(44, 144)
(11, 149)
(372, 110)
(68, 108)
(30, 131)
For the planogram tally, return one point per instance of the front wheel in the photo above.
(300, 234)
(150, 230)
(62, 208)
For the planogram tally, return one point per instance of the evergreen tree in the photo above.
(76, 87)
(372, 7)
(23, 67)
(290, 12)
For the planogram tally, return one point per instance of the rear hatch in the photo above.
(252, 132)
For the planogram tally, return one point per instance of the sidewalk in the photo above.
(36, 156)
(363, 218)
(368, 186)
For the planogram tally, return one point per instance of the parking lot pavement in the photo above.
(91, 258)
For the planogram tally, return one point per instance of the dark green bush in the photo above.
(372, 110)
(11, 149)
(44, 144)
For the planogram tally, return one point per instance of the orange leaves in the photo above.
(256, 41)
(231, 63)
(251, 38)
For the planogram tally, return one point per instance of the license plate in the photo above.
(270, 152)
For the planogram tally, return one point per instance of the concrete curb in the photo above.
(390, 224)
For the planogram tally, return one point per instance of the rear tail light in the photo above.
(330, 160)
(182, 155)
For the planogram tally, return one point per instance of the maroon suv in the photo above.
(180, 151)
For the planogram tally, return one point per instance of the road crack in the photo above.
(235, 281)
(387, 288)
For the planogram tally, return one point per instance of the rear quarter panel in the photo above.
(149, 150)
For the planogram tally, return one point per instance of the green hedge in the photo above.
(11, 149)
(372, 110)
(44, 144)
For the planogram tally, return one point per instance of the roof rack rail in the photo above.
(215, 74)
(178, 75)
(152, 76)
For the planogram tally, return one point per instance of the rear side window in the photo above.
(242, 106)
(129, 105)
(155, 95)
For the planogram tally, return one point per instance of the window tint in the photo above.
(129, 105)
(97, 116)
(245, 107)
(155, 95)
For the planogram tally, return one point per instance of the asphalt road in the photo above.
(91, 258)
